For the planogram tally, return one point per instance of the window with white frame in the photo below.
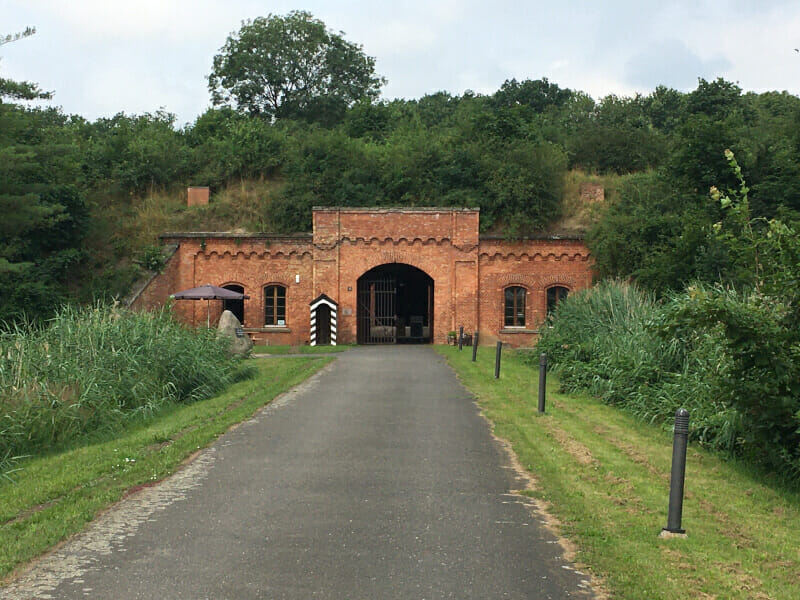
(275, 305)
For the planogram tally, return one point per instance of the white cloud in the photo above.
(671, 63)
(114, 21)
(105, 56)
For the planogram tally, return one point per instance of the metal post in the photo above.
(460, 337)
(542, 380)
(474, 346)
(678, 474)
(497, 360)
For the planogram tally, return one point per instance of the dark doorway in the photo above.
(323, 325)
(395, 306)
(235, 306)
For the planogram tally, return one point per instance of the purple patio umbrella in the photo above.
(208, 293)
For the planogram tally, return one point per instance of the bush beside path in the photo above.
(605, 476)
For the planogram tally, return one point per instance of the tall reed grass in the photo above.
(605, 341)
(89, 370)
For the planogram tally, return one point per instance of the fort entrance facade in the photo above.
(404, 275)
(395, 305)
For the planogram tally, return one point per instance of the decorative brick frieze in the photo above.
(470, 273)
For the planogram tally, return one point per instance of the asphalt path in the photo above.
(376, 479)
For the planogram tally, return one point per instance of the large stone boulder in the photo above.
(229, 327)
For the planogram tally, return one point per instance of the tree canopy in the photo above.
(291, 66)
(297, 115)
(44, 214)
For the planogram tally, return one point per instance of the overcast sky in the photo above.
(101, 57)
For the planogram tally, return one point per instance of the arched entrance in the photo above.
(235, 306)
(395, 305)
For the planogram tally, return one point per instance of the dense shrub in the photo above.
(609, 341)
(90, 370)
(729, 357)
(758, 335)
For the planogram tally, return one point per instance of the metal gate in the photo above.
(377, 314)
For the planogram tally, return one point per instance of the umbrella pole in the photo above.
(208, 313)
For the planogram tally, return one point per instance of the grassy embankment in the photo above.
(124, 230)
(605, 477)
(55, 496)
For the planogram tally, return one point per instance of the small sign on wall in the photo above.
(347, 311)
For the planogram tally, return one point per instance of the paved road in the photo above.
(378, 479)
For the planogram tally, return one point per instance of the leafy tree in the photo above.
(368, 119)
(758, 324)
(524, 182)
(326, 168)
(291, 66)
(616, 148)
(657, 234)
(43, 216)
(538, 95)
(715, 99)
(225, 145)
(20, 90)
(665, 107)
(436, 109)
(772, 152)
(133, 154)
(618, 137)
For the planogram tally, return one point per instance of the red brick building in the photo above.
(376, 275)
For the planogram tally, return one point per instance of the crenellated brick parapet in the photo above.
(535, 264)
(467, 275)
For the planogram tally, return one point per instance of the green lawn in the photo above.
(605, 477)
(299, 349)
(55, 496)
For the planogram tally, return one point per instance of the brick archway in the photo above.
(469, 271)
(394, 305)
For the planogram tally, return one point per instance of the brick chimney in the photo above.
(197, 196)
(592, 192)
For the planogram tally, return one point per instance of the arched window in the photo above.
(514, 307)
(275, 305)
(555, 295)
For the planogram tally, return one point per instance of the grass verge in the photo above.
(55, 496)
(299, 349)
(605, 477)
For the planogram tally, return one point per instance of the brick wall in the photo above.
(156, 293)
(535, 265)
(469, 273)
(592, 193)
(251, 262)
(197, 196)
(350, 242)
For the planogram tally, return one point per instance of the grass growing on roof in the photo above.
(605, 476)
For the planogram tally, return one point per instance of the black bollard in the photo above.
(497, 360)
(460, 337)
(678, 474)
(542, 380)
(474, 346)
